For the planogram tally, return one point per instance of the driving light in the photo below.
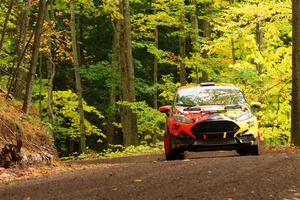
(183, 119)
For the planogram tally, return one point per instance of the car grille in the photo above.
(214, 132)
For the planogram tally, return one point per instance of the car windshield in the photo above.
(209, 96)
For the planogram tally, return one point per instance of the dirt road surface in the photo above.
(208, 175)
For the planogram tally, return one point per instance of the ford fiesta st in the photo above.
(210, 117)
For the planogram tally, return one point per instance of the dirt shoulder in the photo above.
(22, 136)
(209, 175)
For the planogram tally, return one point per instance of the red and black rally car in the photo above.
(210, 117)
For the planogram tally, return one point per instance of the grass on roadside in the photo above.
(117, 151)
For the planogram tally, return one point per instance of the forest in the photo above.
(97, 70)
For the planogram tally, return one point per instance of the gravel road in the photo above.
(207, 175)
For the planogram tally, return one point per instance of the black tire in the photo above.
(243, 152)
(175, 154)
(251, 150)
(181, 155)
(254, 150)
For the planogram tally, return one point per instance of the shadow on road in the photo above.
(210, 154)
(152, 158)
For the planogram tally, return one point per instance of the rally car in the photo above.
(210, 117)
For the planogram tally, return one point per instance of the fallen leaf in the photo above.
(137, 181)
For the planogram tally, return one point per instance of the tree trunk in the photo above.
(195, 39)
(207, 36)
(295, 129)
(77, 76)
(111, 115)
(127, 86)
(80, 39)
(182, 49)
(10, 7)
(23, 27)
(2, 38)
(35, 53)
(16, 83)
(194, 35)
(155, 80)
(232, 50)
(232, 40)
(260, 44)
(40, 85)
(51, 74)
(155, 70)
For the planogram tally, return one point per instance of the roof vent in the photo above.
(208, 84)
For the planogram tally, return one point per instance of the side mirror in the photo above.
(255, 105)
(165, 109)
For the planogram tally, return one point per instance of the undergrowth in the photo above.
(117, 151)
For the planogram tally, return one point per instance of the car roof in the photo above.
(217, 86)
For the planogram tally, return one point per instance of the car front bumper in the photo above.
(239, 142)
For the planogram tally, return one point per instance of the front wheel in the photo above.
(243, 152)
(174, 154)
(254, 150)
(251, 150)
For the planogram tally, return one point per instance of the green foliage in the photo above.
(111, 152)
(3, 82)
(103, 70)
(150, 121)
(168, 88)
(65, 107)
(132, 150)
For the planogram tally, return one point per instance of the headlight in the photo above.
(183, 119)
(244, 117)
